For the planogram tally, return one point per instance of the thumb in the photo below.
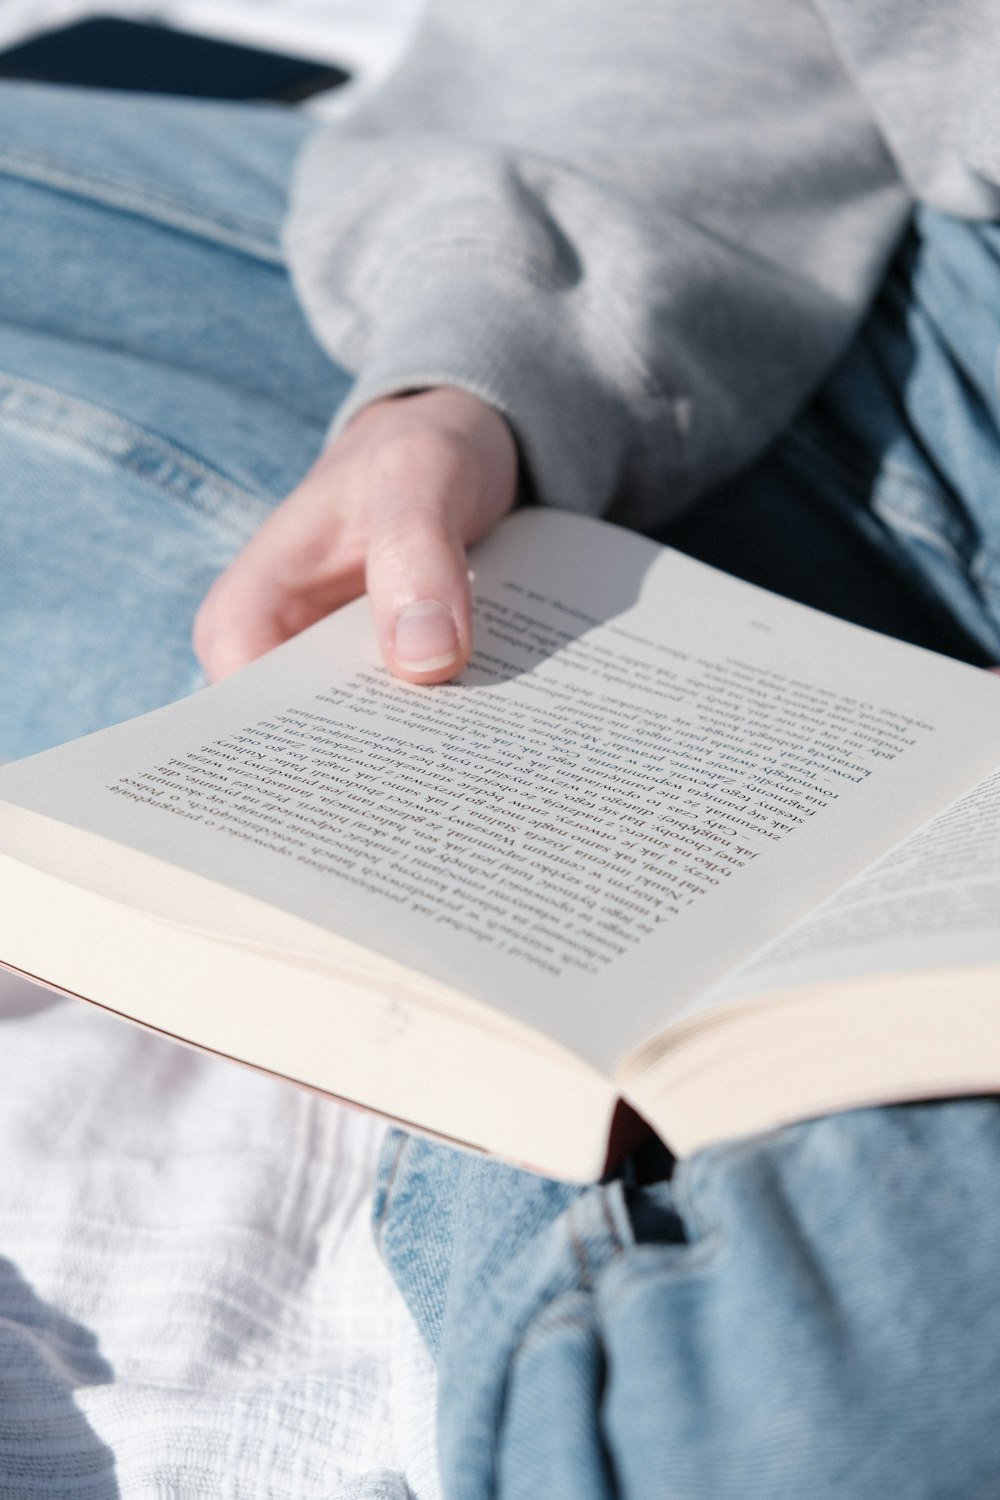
(432, 492)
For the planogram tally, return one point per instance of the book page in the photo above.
(933, 902)
(648, 770)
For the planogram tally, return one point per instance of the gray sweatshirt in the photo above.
(642, 229)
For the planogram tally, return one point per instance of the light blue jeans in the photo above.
(813, 1313)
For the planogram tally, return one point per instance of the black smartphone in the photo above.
(107, 52)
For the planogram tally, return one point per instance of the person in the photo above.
(730, 275)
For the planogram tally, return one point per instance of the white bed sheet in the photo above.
(190, 1300)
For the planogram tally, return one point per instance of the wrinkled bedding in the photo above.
(190, 1300)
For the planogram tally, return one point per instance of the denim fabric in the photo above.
(812, 1313)
(159, 389)
(880, 503)
(815, 1312)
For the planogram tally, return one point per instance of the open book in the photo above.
(669, 840)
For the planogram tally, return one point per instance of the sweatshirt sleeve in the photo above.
(642, 231)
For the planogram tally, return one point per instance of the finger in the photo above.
(417, 580)
(428, 502)
(305, 561)
(419, 591)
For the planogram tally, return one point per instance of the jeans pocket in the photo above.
(109, 537)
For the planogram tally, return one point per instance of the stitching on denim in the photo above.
(619, 1244)
(378, 1228)
(694, 1177)
(237, 232)
(158, 462)
(707, 1249)
(672, 1263)
(578, 1240)
(520, 1344)
(567, 1312)
(578, 1248)
(563, 1313)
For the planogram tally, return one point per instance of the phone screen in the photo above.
(110, 53)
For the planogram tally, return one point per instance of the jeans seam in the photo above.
(579, 1240)
(549, 1317)
(531, 1333)
(579, 1255)
(555, 1317)
(702, 1258)
(129, 446)
(244, 235)
(378, 1227)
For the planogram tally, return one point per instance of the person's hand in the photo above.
(390, 507)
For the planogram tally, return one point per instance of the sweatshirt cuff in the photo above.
(592, 439)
